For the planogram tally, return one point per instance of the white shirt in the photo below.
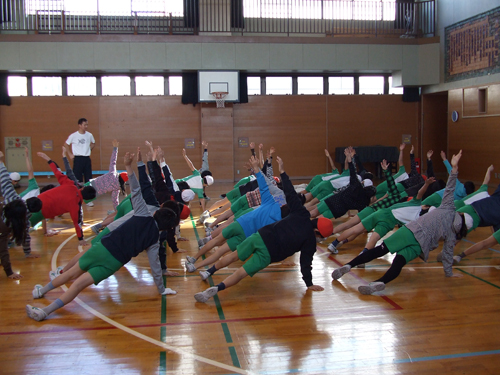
(80, 143)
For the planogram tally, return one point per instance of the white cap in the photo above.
(15, 176)
(209, 179)
(187, 195)
(367, 182)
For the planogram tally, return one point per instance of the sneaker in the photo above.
(190, 267)
(95, 229)
(371, 288)
(111, 212)
(339, 272)
(190, 259)
(439, 257)
(332, 249)
(90, 204)
(204, 275)
(208, 231)
(456, 259)
(57, 272)
(206, 295)
(36, 291)
(203, 241)
(35, 313)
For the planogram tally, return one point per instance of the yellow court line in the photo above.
(137, 334)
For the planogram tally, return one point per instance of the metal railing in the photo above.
(224, 17)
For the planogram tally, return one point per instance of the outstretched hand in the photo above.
(455, 159)
(443, 155)
(204, 144)
(402, 146)
(272, 150)
(430, 180)
(252, 144)
(128, 158)
(384, 165)
(327, 154)
(43, 155)
(429, 154)
(139, 154)
(412, 149)
(280, 164)
(254, 162)
(115, 143)
(490, 168)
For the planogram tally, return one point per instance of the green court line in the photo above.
(480, 279)
(220, 312)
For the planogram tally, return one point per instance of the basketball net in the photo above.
(219, 98)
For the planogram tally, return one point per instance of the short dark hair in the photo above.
(183, 185)
(88, 192)
(463, 229)
(47, 187)
(469, 187)
(206, 173)
(174, 206)
(82, 120)
(34, 204)
(165, 218)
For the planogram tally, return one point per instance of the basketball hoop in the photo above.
(219, 98)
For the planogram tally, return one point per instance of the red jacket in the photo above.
(63, 199)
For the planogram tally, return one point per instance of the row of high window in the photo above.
(172, 85)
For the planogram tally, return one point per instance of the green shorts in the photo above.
(432, 200)
(35, 218)
(315, 181)
(364, 213)
(123, 208)
(381, 222)
(233, 195)
(100, 235)
(99, 263)
(322, 190)
(254, 245)
(468, 209)
(234, 234)
(404, 243)
(239, 204)
(324, 210)
(496, 236)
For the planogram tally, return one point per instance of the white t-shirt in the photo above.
(80, 143)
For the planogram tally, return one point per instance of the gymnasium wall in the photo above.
(299, 127)
(475, 132)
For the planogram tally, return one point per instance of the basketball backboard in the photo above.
(212, 81)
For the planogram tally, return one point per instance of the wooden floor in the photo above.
(423, 323)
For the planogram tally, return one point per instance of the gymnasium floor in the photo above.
(423, 323)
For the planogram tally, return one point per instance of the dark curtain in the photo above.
(191, 13)
(5, 11)
(4, 92)
(237, 20)
(190, 88)
(243, 88)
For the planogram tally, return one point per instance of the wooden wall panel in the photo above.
(294, 125)
(217, 130)
(368, 120)
(435, 130)
(49, 118)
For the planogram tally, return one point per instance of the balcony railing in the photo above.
(221, 17)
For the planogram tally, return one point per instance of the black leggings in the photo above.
(397, 264)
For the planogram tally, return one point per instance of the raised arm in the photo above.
(424, 187)
(400, 160)
(449, 192)
(29, 166)
(261, 155)
(430, 166)
(487, 176)
(61, 178)
(327, 154)
(114, 155)
(189, 163)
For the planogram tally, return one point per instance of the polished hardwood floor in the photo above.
(423, 323)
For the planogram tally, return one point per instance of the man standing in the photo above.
(79, 145)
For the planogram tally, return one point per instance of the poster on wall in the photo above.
(472, 47)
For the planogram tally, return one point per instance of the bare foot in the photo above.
(33, 256)
(182, 239)
(181, 251)
(16, 276)
(51, 233)
(288, 263)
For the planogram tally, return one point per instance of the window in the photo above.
(81, 86)
(149, 86)
(310, 85)
(175, 85)
(47, 86)
(341, 85)
(278, 85)
(115, 86)
(253, 84)
(371, 85)
(17, 86)
(394, 90)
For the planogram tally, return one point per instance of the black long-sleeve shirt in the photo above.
(292, 234)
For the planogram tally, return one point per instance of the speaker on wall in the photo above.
(411, 94)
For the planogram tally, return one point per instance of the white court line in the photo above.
(137, 334)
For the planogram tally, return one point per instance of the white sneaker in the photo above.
(36, 291)
(35, 313)
(190, 267)
(203, 241)
(456, 259)
(90, 204)
(371, 288)
(206, 295)
(204, 275)
(95, 229)
(339, 272)
(57, 272)
(332, 249)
